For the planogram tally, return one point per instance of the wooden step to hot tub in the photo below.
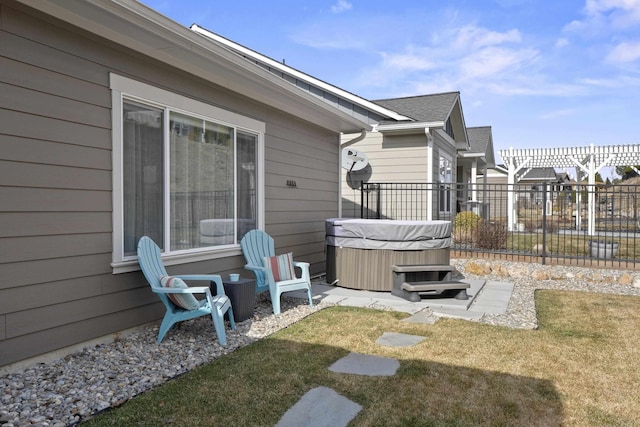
(410, 280)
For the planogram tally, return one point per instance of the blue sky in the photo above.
(541, 73)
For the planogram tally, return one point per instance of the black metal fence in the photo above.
(591, 225)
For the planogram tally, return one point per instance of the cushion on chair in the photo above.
(186, 301)
(281, 266)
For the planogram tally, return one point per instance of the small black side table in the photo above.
(242, 294)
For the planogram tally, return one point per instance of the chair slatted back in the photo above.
(256, 245)
(150, 262)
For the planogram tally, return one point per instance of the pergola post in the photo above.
(588, 160)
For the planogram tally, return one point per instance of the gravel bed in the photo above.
(529, 277)
(69, 390)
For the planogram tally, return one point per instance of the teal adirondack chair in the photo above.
(214, 305)
(257, 245)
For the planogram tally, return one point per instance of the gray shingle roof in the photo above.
(538, 174)
(479, 138)
(423, 108)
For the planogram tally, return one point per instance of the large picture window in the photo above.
(189, 180)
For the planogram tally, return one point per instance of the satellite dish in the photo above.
(354, 160)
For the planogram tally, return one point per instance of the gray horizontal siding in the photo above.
(26, 150)
(62, 313)
(24, 199)
(20, 274)
(56, 283)
(51, 82)
(14, 174)
(43, 104)
(19, 249)
(48, 340)
(23, 224)
(16, 123)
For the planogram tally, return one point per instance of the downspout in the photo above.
(362, 136)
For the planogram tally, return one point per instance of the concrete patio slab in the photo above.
(363, 364)
(456, 313)
(375, 299)
(394, 339)
(424, 316)
(485, 297)
(494, 298)
(320, 407)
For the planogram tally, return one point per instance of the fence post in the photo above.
(362, 187)
(544, 223)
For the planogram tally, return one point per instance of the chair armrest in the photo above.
(304, 268)
(255, 268)
(189, 290)
(208, 277)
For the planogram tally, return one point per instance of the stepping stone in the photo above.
(424, 316)
(320, 407)
(362, 364)
(393, 339)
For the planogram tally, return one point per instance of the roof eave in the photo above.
(140, 28)
(411, 127)
(299, 75)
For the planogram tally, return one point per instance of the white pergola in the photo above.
(587, 161)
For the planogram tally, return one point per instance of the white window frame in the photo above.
(450, 192)
(125, 88)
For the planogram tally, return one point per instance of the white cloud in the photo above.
(594, 7)
(603, 16)
(624, 53)
(472, 37)
(612, 83)
(341, 6)
(465, 58)
(409, 61)
(493, 61)
(562, 42)
(557, 113)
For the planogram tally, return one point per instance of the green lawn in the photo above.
(580, 368)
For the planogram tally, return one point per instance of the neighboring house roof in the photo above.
(423, 108)
(438, 111)
(481, 144)
(479, 138)
(142, 29)
(538, 175)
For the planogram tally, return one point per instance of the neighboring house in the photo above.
(530, 185)
(117, 122)
(421, 149)
(472, 164)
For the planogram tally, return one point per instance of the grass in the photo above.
(579, 368)
(568, 245)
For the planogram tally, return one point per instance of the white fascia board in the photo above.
(299, 75)
(470, 154)
(408, 127)
(138, 27)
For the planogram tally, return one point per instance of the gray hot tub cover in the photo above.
(388, 234)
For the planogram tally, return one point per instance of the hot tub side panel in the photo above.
(370, 269)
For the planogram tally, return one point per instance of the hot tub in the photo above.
(360, 252)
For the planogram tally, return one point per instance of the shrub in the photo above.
(465, 227)
(492, 235)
